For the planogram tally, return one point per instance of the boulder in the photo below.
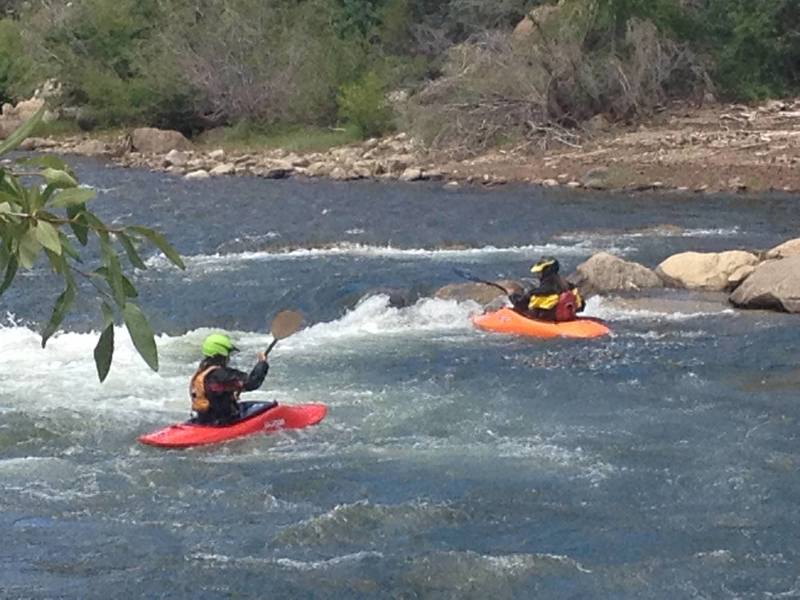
(218, 154)
(176, 158)
(223, 169)
(605, 272)
(91, 148)
(200, 174)
(704, 270)
(775, 284)
(411, 174)
(477, 292)
(149, 140)
(786, 249)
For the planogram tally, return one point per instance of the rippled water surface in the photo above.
(660, 462)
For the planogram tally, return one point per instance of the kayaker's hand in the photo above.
(262, 357)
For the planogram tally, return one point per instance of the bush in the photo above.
(363, 103)
(17, 71)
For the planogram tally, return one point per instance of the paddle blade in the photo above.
(286, 323)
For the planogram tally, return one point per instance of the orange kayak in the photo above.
(506, 320)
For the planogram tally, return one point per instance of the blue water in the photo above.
(660, 462)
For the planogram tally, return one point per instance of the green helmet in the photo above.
(218, 344)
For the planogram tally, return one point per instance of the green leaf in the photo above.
(130, 250)
(48, 236)
(104, 351)
(68, 248)
(11, 271)
(63, 303)
(113, 270)
(161, 242)
(142, 334)
(78, 225)
(108, 313)
(130, 290)
(21, 132)
(72, 197)
(5, 207)
(59, 178)
(29, 248)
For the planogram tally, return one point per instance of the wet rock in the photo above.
(704, 270)
(36, 143)
(775, 285)
(596, 178)
(477, 292)
(176, 158)
(158, 141)
(412, 174)
(91, 148)
(195, 175)
(784, 250)
(223, 169)
(605, 272)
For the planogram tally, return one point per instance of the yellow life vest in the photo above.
(197, 390)
(544, 302)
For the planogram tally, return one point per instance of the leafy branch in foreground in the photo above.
(35, 221)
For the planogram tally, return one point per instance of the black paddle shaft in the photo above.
(470, 277)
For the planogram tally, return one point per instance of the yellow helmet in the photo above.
(545, 266)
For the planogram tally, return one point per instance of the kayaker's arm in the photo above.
(226, 379)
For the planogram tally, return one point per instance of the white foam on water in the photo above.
(287, 563)
(603, 308)
(349, 249)
(374, 317)
(655, 232)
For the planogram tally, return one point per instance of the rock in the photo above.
(784, 250)
(775, 284)
(196, 175)
(277, 170)
(411, 174)
(477, 292)
(158, 141)
(319, 169)
(596, 178)
(218, 154)
(704, 270)
(91, 148)
(452, 185)
(176, 158)
(605, 272)
(339, 174)
(550, 183)
(34, 143)
(739, 275)
(574, 184)
(8, 125)
(24, 109)
(223, 169)
(597, 124)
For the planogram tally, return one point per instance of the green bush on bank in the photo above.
(320, 64)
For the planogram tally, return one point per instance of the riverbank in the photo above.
(712, 148)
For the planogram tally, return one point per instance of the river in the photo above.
(660, 462)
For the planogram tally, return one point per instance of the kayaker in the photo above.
(215, 387)
(554, 299)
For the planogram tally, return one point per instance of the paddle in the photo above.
(470, 277)
(283, 325)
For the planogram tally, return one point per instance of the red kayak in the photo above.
(265, 418)
(506, 320)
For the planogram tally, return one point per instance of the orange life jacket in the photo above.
(197, 390)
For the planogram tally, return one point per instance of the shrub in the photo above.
(363, 103)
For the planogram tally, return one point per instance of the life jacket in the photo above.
(197, 390)
(568, 304)
(544, 302)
